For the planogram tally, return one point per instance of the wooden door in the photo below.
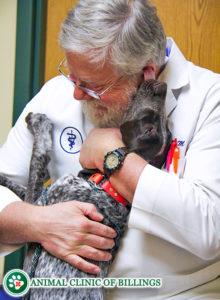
(56, 13)
(194, 25)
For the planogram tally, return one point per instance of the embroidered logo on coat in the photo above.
(181, 143)
(71, 140)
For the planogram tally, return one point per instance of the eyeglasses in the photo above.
(91, 93)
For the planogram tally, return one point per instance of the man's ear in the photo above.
(149, 71)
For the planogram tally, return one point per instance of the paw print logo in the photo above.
(16, 283)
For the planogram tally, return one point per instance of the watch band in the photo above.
(123, 150)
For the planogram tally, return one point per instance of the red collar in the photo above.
(107, 187)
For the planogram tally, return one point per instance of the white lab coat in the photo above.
(174, 225)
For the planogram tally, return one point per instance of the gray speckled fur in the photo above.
(70, 187)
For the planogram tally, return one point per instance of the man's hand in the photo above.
(63, 229)
(98, 142)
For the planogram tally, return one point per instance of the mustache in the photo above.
(102, 115)
(94, 103)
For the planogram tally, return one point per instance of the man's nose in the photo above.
(79, 94)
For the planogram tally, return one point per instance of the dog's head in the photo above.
(144, 127)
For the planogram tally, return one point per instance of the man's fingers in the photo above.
(82, 264)
(77, 260)
(99, 242)
(101, 230)
(91, 253)
(95, 227)
(90, 210)
(95, 254)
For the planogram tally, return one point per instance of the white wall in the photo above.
(8, 19)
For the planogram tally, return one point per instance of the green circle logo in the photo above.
(16, 283)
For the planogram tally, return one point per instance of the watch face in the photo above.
(112, 161)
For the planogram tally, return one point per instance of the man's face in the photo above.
(108, 111)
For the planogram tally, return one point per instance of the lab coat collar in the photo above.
(175, 74)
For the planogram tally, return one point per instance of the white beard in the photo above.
(107, 115)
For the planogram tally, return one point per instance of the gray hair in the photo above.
(128, 32)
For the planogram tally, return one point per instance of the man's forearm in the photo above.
(15, 223)
(126, 178)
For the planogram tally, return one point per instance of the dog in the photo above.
(144, 131)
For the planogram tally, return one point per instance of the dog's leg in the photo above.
(41, 129)
(19, 190)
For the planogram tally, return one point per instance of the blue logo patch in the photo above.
(181, 143)
(71, 140)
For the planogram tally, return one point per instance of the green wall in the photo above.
(29, 70)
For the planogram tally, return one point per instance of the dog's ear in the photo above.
(160, 90)
(152, 90)
(128, 132)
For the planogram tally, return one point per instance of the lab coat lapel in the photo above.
(171, 102)
(175, 75)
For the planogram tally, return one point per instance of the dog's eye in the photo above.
(148, 130)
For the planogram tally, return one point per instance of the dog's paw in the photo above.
(38, 124)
